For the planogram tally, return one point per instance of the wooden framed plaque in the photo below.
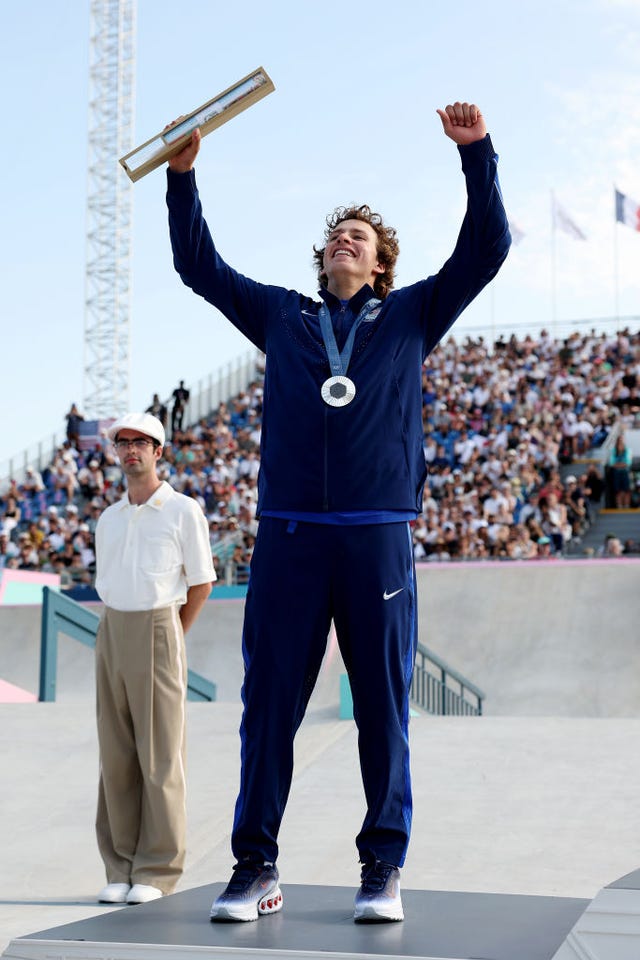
(208, 117)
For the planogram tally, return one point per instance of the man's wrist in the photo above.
(478, 150)
(181, 182)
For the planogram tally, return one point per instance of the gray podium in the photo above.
(317, 921)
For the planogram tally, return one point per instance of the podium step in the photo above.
(317, 921)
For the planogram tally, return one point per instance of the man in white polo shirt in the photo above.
(154, 573)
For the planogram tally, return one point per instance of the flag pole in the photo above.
(553, 259)
(492, 294)
(616, 274)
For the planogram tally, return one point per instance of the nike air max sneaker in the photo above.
(378, 899)
(253, 891)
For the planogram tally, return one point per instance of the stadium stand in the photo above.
(517, 441)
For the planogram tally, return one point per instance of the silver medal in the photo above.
(338, 391)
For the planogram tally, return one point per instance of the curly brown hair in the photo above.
(388, 247)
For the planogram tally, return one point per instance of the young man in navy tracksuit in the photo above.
(342, 473)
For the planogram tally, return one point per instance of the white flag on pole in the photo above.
(516, 231)
(564, 222)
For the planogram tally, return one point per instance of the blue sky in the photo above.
(352, 119)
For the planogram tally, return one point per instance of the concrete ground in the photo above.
(542, 806)
(525, 804)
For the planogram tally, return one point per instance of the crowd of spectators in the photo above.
(502, 426)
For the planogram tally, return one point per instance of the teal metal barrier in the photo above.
(346, 698)
(444, 692)
(439, 689)
(61, 614)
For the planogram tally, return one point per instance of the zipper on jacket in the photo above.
(340, 316)
(341, 313)
(325, 501)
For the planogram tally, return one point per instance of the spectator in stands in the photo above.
(529, 393)
(77, 568)
(28, 553)
(64, 476)
(68, 551)
(12, 514)
(554, 522)
(601, 428)
(239, 572)
(441, 552)
(576, 504)
(594, 483)
(544, 548)
(91, 480)
(249, 464)
(35, 534)
(584, 434)
(8, 549)
(55, 532)
(180, 399)
(158, 409)
(71, 518)
(113, 477)
(61, 569)
(32, 482)
(612, 547)
(74, 418)
(92, 514)
(83, 544)
(620, 471)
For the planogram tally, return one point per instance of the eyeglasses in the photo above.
(138, 444)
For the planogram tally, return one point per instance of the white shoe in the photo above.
(378, 898)
(114, 893)
(141, 893)
(252, 892)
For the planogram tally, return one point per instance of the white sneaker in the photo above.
(141, 893)
(378, 898)
(114, 893)
(252, 892)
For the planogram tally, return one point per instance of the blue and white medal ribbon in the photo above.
(339, 390)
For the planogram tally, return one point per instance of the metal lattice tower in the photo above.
(109, 208)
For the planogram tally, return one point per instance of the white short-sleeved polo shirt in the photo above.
(148, 555)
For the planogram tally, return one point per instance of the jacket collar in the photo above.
(356, 303)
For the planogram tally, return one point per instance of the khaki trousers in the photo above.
(141, 682)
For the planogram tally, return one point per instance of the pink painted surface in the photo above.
(9, 693)
(545, 561)
(25, 586)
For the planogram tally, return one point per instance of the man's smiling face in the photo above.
(351, 254)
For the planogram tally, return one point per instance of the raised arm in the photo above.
(195, 257)
(463, 123)
(484, 239)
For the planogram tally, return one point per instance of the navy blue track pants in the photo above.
(303, 576)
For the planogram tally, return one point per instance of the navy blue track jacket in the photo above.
(367, 455)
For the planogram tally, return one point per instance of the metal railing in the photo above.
(436, 687)
(38, 455)
(206, 396)
(439, 689)
(61, 614)
(222, 385)
(601, 454)
(431, 689)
